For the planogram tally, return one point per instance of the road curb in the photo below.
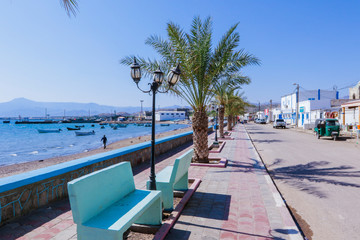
(279, 199)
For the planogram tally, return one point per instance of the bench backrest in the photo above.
(181, 165)
(92, 193)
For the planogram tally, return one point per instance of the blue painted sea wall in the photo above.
(24, 192)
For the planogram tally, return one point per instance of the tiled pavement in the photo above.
(236, 202)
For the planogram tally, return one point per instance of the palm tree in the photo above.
(222, 90)
(235, 106)
(71, 6)
(202, 67)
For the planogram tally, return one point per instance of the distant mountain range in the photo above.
(27, 108)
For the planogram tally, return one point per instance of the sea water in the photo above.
(22, 143)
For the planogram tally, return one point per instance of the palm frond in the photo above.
(71, 7)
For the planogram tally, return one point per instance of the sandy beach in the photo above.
(29, 166)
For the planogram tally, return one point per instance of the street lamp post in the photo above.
(158, 77)
(297, 104)
(215, 107)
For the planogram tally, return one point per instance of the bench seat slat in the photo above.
(130, 207)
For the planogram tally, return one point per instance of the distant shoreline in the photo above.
(18, 168)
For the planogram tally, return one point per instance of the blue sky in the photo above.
(46, 56)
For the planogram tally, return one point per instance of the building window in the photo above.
(172, 114)
(182, 113)
(162, 114)
(167, 114)
(177, 113)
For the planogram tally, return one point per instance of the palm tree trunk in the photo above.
(221, 121)
(200, 136)
(229, 126)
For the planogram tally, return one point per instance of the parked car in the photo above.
(262, 121)
(279, 123)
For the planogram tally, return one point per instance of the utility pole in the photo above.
(141, 112)
(297, 104)
(270, 111)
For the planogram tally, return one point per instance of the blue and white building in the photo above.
(312, 104)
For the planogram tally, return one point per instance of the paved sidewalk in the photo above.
(236, 202)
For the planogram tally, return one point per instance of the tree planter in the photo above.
(216, 149)
(213, 162)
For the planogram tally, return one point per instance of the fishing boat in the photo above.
(49, 130)
(85, 133)
(73, 129)
(6, 121)
(79, 126)
(147, 125)
(164, 124)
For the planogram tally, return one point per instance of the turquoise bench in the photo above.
(105, 203)
(173, 178)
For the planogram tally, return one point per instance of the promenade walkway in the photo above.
(236, 202)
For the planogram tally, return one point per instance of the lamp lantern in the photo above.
(174, 75)
(158, 76)
(135, 71)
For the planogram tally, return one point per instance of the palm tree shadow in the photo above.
(314, 172)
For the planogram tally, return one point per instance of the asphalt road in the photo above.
(319, 179)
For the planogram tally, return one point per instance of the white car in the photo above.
(279, 123)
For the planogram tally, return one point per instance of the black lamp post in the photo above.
(215, 107)
(158, 77)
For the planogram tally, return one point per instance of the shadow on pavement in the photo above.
(34, 220)
(267, 141)
(315, 172)
(208, 205)
(261, 132)
(243, 234)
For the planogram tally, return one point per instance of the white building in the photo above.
(350, 114)
(314, 100)
(169, 115)
(354, 92)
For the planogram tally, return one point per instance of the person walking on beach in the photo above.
(104, 140)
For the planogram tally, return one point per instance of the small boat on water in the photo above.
(73, 129)
(164, 124)
(102, 127)
(139, 124)
(85, 133)
(103, 123)
(49, 130)
(6, 121)
(79, 126)
(147, 125)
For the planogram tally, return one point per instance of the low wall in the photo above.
(24, 192)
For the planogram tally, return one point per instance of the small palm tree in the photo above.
(235, 106)
(222, 90)
(202, 67)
